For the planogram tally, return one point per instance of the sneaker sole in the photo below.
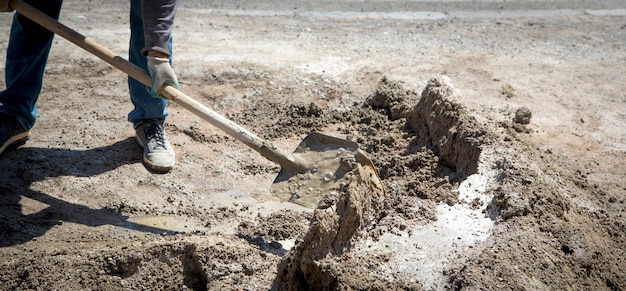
(152, 166)
(15, 141)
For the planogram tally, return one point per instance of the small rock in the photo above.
(522, 115)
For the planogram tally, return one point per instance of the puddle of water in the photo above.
(400, 15)
(246, 206)
(514, 13)
(163, 224)
(418, 15)
(607, 12)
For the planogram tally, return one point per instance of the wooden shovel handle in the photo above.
(285, 159)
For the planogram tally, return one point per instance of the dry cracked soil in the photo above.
(497, 130)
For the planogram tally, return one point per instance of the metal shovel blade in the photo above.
(328, 159)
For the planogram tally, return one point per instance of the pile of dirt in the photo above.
(546, 235)
(459, 196)
(326, 258)
(424, 152)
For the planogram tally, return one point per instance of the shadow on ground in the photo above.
(20, 168)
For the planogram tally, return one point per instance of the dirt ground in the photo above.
(497, 130)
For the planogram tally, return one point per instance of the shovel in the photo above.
(308, 177)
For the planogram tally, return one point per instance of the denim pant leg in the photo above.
(146, 106)
(27, 54)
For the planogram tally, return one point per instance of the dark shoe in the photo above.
(158, 154)
(12, 135)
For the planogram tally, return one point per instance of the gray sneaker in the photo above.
(11, 132)
(158, 154)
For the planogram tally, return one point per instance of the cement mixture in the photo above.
(498, 144)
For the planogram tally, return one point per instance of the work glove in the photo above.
(162, 75)
(4, 6)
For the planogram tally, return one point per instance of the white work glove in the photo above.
(162, 75)
(4, 6)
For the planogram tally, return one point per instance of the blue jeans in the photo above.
(27, 55)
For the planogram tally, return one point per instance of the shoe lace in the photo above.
(155, 134)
